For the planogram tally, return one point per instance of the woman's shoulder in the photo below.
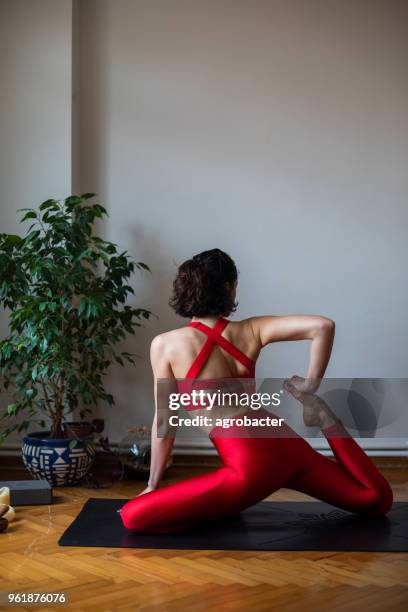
(171, 338)
(244, 332)
(249, 323)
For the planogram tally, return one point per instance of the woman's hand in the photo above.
(148, 489)
(303, 385)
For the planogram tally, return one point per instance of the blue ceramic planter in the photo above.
(54, 460)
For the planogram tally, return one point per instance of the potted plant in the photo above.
(66, 291)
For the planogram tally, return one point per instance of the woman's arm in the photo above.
(161, 447)
(320, 330)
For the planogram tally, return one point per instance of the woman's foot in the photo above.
(316, 413)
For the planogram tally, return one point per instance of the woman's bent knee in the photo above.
(379, 501)
(133, 523)
(386, 500)
(134, 515)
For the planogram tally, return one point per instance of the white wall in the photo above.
(35, 104)
(35, 108)
(274, 130)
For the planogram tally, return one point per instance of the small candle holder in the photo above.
(5, 495)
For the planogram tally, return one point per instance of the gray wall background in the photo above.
(275, 130)
(35, 105)
(35, 110)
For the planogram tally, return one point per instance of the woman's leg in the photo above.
(352, 483)
(181, 505)
(252, 470)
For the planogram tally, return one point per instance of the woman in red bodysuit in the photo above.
(211, 347)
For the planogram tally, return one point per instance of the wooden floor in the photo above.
(128, 579)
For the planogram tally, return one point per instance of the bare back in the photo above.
(183, 345)
(172, 353)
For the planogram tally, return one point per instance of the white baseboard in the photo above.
(372, 447)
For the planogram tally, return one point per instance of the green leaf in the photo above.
(99, 210)
(14, 239)
(140, 264)
(73, 444)
(73, 201)
(32, 235)
(48, 204)
(88, 196)
(82, 306)
(29, 215)
(11, 409)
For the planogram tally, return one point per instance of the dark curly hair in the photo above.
(203, 285)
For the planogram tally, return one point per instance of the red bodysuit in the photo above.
(253, 468)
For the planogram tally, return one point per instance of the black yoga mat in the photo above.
(266, 526)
